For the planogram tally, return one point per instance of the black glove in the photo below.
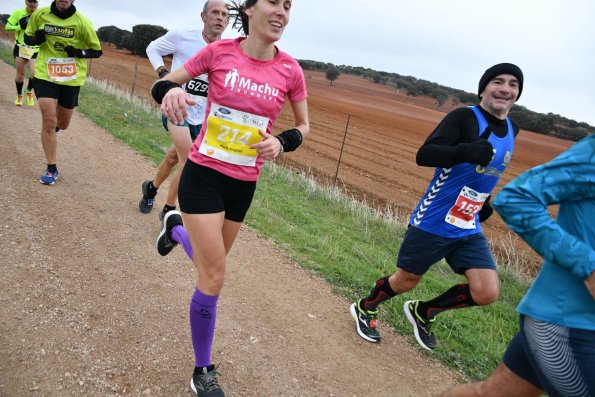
(40, 36)
(23, 22)
(479, 152)
(486, 211)
(73, 52)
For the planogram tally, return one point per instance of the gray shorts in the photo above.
(553, 358)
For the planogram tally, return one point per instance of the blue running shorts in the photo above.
(420, 250)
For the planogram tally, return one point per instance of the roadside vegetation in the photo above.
(339, 239)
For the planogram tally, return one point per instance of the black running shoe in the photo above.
(204, 382)
(164, 241)
(162, 215)
(422, 328)
(145, 204)
(165, 211)
(365, 321)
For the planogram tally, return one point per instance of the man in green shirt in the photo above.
(23, 54)
(65, 38)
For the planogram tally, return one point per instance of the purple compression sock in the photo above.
(203, 313)
(179, 234)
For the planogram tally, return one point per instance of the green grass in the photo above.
(344, 242)
(133, 122)
(6, 53)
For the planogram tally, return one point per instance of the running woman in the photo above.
(470, 148)
(65, 38)
(23, 54)
(554, 350)
(249, 79)
(182, 44)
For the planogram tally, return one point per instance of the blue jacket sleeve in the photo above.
(569, 178)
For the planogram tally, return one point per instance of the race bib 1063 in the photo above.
(230, 133)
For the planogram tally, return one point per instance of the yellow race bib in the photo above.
(230, 133)
(26, 51)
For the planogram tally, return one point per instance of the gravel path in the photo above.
(89, 308)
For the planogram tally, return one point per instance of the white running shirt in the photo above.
(183, 44)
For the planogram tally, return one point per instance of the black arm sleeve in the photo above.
(442, 148)
(290, 139)
(455, 139)
(30, 40)
(160, 88)
(91, 53)
(486, 211)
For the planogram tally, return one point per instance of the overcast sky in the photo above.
(447, 42)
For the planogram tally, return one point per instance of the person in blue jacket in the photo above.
(554, 350)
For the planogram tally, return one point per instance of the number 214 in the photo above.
(235, 135)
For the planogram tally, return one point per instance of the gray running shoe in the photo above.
(145, 204)
(366, 322)
(204, 382)
(422, 328)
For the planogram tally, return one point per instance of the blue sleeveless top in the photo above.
(451, 204)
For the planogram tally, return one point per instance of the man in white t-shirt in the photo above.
(182, 44)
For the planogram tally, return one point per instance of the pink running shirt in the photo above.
(249, 88)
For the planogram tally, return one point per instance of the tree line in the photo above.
(548, 124)
(136, 42)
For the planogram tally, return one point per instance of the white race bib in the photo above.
(26, 52)
(462, 213)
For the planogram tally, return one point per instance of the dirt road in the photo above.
(89, 308)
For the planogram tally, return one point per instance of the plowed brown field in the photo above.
(385, 130)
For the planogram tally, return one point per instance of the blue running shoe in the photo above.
(49, 178)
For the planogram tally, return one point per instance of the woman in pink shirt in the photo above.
(249, 79)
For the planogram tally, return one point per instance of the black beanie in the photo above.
(496, 70)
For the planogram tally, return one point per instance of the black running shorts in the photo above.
(67, 96)
(203, 190)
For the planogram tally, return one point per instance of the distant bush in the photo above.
(115, 36)
(332, 74)
(136, 41)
